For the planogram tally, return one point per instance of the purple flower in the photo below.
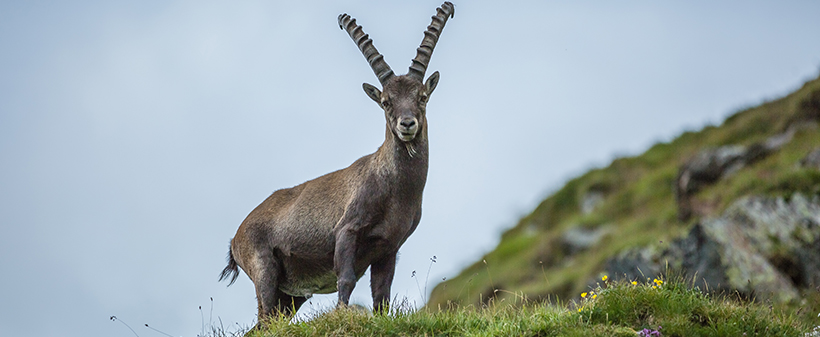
(650, 333)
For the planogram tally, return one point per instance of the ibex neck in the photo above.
(407, 159)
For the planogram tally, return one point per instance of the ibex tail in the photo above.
(231, 270)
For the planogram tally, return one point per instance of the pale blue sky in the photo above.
(136, 136)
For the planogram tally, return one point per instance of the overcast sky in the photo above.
(136, 136)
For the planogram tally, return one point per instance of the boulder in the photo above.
(761, 247)
(707, 167)
(710, 165)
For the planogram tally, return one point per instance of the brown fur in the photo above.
(321, 236)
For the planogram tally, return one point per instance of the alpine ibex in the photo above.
(320, 236)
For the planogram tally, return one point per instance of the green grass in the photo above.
(618, 309)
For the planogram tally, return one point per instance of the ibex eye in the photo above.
(385, 104)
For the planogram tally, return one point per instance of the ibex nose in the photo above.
(408, 122)
(407, 128)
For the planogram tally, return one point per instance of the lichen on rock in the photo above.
(763, 247)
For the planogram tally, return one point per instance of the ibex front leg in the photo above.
(344, 263)
(381, 277)
(359, 214)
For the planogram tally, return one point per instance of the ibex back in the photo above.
(320, 236)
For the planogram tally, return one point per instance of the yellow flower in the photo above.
(594, 296)
(583, 295)
(604, 278)
(634, 283)
(579, 309)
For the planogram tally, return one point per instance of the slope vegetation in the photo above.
(644, 203)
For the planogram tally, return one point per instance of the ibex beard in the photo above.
(321, 236)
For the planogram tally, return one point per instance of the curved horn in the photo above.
(376, 60)
(423, 53)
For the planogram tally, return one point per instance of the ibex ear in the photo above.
(374, 93)
(431, 83)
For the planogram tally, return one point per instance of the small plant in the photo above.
(657, 283)
(653, 333)
(114, 319)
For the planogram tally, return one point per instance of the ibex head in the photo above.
(403, 98)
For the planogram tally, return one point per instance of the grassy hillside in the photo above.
(637, 205)
(614, 309)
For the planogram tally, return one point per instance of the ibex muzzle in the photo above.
(321, 236)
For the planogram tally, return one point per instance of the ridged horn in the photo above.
(365, 44)
(423, 53)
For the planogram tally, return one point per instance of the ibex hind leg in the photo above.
(267, 274)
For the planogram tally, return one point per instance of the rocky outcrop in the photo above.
(707, 167)
(710, 165)
(762, 247)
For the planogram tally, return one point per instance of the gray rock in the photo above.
(708, 166)
(762, 247)
(711, 165)
(812, 159)
(591, 200)
(578, 239)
